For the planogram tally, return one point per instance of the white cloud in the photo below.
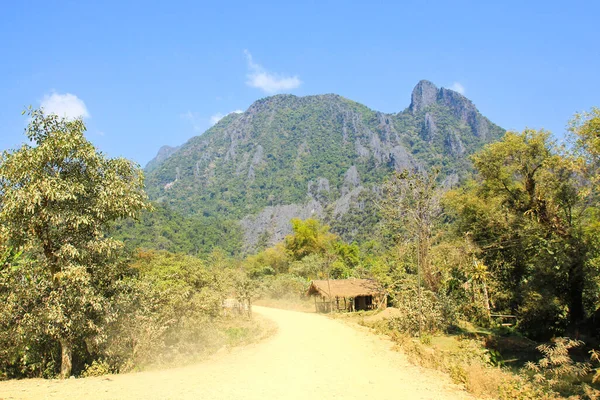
(194, 119)
(457, 87)
(268, 82)
(64, 105)
(199, 123)
(216, 118)
(219, 116)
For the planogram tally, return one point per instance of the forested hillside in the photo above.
(323, 156)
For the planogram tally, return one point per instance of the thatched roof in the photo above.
(345, 287)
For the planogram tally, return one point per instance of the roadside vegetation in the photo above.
(506, 263)
(494, 281)
(74, 302)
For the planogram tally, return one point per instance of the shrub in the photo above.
(429, 314)
(97, 368)
(284, 286)
(557, 370)
(171, 312)
(542, 316)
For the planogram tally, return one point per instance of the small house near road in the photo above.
(347, 295)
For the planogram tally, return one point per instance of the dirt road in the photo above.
(310, 357)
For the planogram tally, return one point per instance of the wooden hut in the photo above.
(347, 295)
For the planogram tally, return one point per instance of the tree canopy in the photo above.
(529, 213)
(58, 195)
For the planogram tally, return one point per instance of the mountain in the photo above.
(324, 156)
(163, 153)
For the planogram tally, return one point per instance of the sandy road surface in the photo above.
(310, 357)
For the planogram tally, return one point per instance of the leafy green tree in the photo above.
(530, 214)
(57, 197)
(586, 130)
(309, 237)
(271, 260)
(348, 254)
(532, 179)
(166, 229)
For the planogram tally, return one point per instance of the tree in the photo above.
(411, 207)
(586, 130)
(529, 212)
(309, 237)
(58, 195)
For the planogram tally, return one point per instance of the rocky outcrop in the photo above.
(348, 200)
(426, 94)
(423, 95)
(274, 222)
(319, 189)
(351, 179)
(454, 145)
(401, 159)
(430, 127)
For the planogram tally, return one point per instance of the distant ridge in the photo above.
(322, 155)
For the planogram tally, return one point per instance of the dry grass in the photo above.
(465, 360)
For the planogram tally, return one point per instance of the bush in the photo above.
(284, 286)
(97, 368)
(430, 314)
(542, 316)
(557, 370)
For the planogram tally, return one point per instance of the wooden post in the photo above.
(316, 307)
(329, 292)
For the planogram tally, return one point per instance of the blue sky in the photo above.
(145, 74)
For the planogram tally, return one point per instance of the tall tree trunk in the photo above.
(486, 302)
(576, 285)
(66, 363)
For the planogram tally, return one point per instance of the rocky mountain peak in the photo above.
(296, 156)
(423, 95)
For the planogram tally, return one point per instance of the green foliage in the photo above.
(310, 252)
(268, 262)
(585, 128)
(411, 209)
(422, 313)
(26, 348)
(164, 229)
(96, 368)
(529, 215)
(309, 237)
(170, 309)
(309, 267)
(348, 254)
(57, 198)
(284, 286)
(556, 362)
(70, 301)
